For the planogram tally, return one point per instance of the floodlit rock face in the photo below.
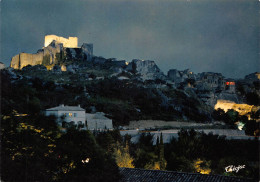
(242, 109)
(147, 69)
(71, 42)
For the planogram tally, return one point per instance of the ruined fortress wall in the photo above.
(23, 59)
(30, 59)
(15, 62)
(71, 42)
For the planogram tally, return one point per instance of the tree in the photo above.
(123, 158)
(218, 114)
(253, 98)
(231, 117)
(202, 166)
(161, 160)
(34, 149)
(106, 141)
(26, 150)
(252, 128)
(81, 159)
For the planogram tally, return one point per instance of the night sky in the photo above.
(202, 35)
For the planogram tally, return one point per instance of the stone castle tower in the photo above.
(71, 42)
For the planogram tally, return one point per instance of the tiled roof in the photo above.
(66, 108)
(143, 175)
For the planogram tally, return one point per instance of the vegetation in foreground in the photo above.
(34, 148)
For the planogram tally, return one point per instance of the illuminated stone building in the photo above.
(71, 42)
(69, 114)
(55, 49)
(75, 115)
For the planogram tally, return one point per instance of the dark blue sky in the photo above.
(203, 35)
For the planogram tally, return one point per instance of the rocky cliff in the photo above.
(146, 69)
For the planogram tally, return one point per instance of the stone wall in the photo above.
(23, 59)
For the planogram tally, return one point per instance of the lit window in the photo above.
(70, 114)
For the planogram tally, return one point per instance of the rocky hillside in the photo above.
(127, 90)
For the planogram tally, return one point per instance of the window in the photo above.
(75, 114)
(70, 114)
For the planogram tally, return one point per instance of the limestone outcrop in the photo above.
(253, 76)
(180, 76)
(2, 65)
(146, 69)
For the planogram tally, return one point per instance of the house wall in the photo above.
(80, 116)
(91, 121)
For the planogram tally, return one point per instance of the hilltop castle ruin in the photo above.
(54, 51)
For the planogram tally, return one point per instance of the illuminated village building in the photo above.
(212, 80)
(75, 115)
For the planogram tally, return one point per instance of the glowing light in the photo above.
(85, 161)
(240, 125)
(198, 166)
(230, 83)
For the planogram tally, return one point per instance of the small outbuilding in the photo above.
(98, 121)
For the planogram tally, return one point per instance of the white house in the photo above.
(70, 114)
(77, 115)
(98, 121)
